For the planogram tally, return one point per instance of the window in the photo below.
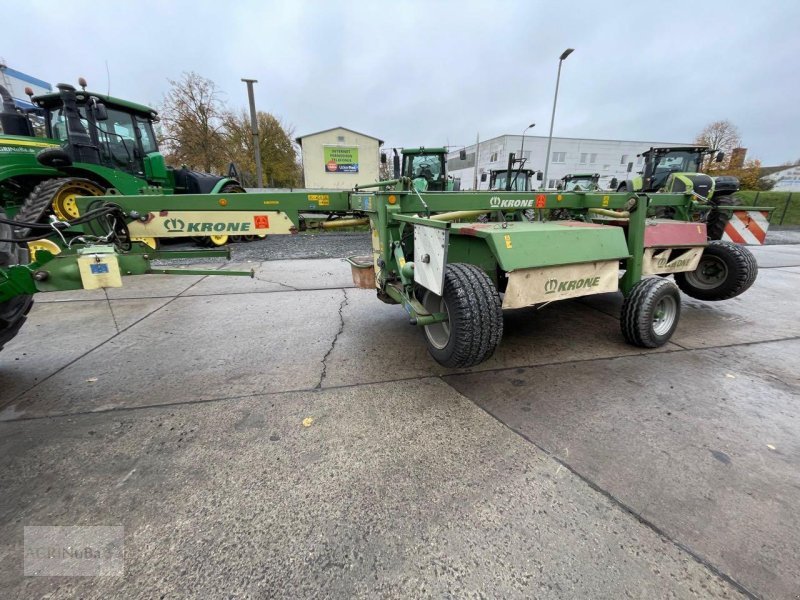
(493, 157)
(551, 183)
(148, 137)
(559, 157)
(584, 156)
(624, 159)
(117, 137)
(593, 158)
(340, 138)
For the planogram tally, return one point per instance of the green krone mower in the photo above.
(81, 143)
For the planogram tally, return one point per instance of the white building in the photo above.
(785, 180)
(339, 158)
(609, 158)
(16, 82)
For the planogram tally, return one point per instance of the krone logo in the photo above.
(494, 201)
(173, 225)
(553, 285)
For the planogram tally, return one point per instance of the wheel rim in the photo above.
(710, 273)
(64, 205)
(37, 245)
(664, 315)
(218, 240)
(438, 334)
(148, 241)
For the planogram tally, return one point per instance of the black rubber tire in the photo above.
(476, 317)
(741, 270)
(640, 311)
(717, 219)
(14, 312)
(39, 202)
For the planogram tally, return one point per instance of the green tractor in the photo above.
(677, 170)
(514, 177)
(79, 143)
(425, 167)
(580, 182)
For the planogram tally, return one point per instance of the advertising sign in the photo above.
(341, 159)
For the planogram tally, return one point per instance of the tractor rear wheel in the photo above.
(717, 219)
(474, 323)
(725, 271)
(13, 312)
(58, 196)
(650, 313)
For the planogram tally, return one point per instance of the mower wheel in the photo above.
(474, 325)
(717, 219)
(650, 313)
(13, 312)
(725, 271)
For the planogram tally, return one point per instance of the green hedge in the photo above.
(778, 201)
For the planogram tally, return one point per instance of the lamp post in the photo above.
(561, 59)
(522, 146)
(254, 128)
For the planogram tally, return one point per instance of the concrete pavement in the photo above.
(174, 407)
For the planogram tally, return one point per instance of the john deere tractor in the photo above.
(677, 170)
(87, 144)
(425, 167)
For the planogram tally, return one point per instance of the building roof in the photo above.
(299, 139)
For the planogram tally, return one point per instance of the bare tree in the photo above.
(720, 135)
(192, 117)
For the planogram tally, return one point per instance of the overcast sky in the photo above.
(435, 72)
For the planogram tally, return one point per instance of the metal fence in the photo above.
(786, 205)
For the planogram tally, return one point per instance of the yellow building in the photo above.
(339, 158)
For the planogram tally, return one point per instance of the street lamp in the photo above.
(522, 147)
(254, 130)
(561, 59)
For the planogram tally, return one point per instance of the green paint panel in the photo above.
(520, 245)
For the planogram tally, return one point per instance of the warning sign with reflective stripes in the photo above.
(747, 227)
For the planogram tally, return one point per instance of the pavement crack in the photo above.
(287, 286)
(324, 373)
(111, 310)
(636, 514)
(21, 395)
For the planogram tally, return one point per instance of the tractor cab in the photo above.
(580, 182)
(517, 181)
(96, 129)
(425, 167)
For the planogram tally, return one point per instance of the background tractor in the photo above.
(677, 170)
(425, 167)
(514, 177)
(80, 143)
(580, 182)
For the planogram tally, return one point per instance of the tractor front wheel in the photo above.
(725, 271)
(650, 313)
(13, 312)
(474, 324)
(717, 218)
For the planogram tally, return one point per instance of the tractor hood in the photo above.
(15, 144)
(699, 183)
